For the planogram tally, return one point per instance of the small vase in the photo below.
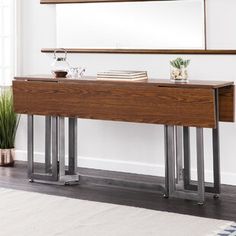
(7, 157)
(179, 75)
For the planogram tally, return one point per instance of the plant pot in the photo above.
(179, 75)
(7, 157)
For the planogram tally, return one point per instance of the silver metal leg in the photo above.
(30, 141)
(54, 148)
(179, 153)
(72, 146)
(31, 173)
(176, 189)
(171, 159)
(216, 160)
(200, 166)
(61, 137)
(187, 157)
(166, 193)
(216, 147)
(54, 153)
(47, 144)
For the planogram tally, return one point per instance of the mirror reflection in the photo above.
(132, 25)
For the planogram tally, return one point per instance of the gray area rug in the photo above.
(33, 214)
(228, 231)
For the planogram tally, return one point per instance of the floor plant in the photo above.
(9, 121)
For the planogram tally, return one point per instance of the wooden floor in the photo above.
(124, 189)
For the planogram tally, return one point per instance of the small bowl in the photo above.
(60, 73)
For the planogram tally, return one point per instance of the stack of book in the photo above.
(122, 75)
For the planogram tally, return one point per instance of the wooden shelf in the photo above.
(144, 51)
(91, 1)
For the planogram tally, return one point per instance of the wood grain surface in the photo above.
(133, 102)
(227, 103)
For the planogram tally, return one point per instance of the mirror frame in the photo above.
(140, 51)
(92, 1)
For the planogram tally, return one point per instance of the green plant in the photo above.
(179, 62)
(9, 120)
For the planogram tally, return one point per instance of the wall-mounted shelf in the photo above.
(144, 51)
(92, 1)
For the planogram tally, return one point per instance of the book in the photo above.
(119, 79)
(123, 72)
(122, 75)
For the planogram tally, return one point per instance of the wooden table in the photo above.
(178, 106)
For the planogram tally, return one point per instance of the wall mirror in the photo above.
(131, 25)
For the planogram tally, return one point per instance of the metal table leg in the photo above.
(55, 172)
(166, 193)
(200, 166)
(61, 152)
(30, 141)
(171, 159)
(176, 189)
(179, 153)
(54, 149)
(187, 157)
(68, 177)
(48, 145)
(72, 146)
(216, 147)
(52, 175)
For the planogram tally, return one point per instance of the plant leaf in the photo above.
(9, 120)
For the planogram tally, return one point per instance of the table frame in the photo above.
(55, 169)
(176, 106)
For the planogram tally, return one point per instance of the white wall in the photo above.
(130, 147)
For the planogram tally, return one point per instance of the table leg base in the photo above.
(216, 196)
(174, 172)
(69, 179)
(64, 181)
(55, 169)
(165, 196)
(201, 203)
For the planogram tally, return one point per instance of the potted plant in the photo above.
(9, 121)
(179, 70)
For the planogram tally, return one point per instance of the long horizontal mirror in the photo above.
(131, 25)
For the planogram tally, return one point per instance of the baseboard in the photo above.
(128, 167)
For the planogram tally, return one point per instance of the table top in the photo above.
(159, 82)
